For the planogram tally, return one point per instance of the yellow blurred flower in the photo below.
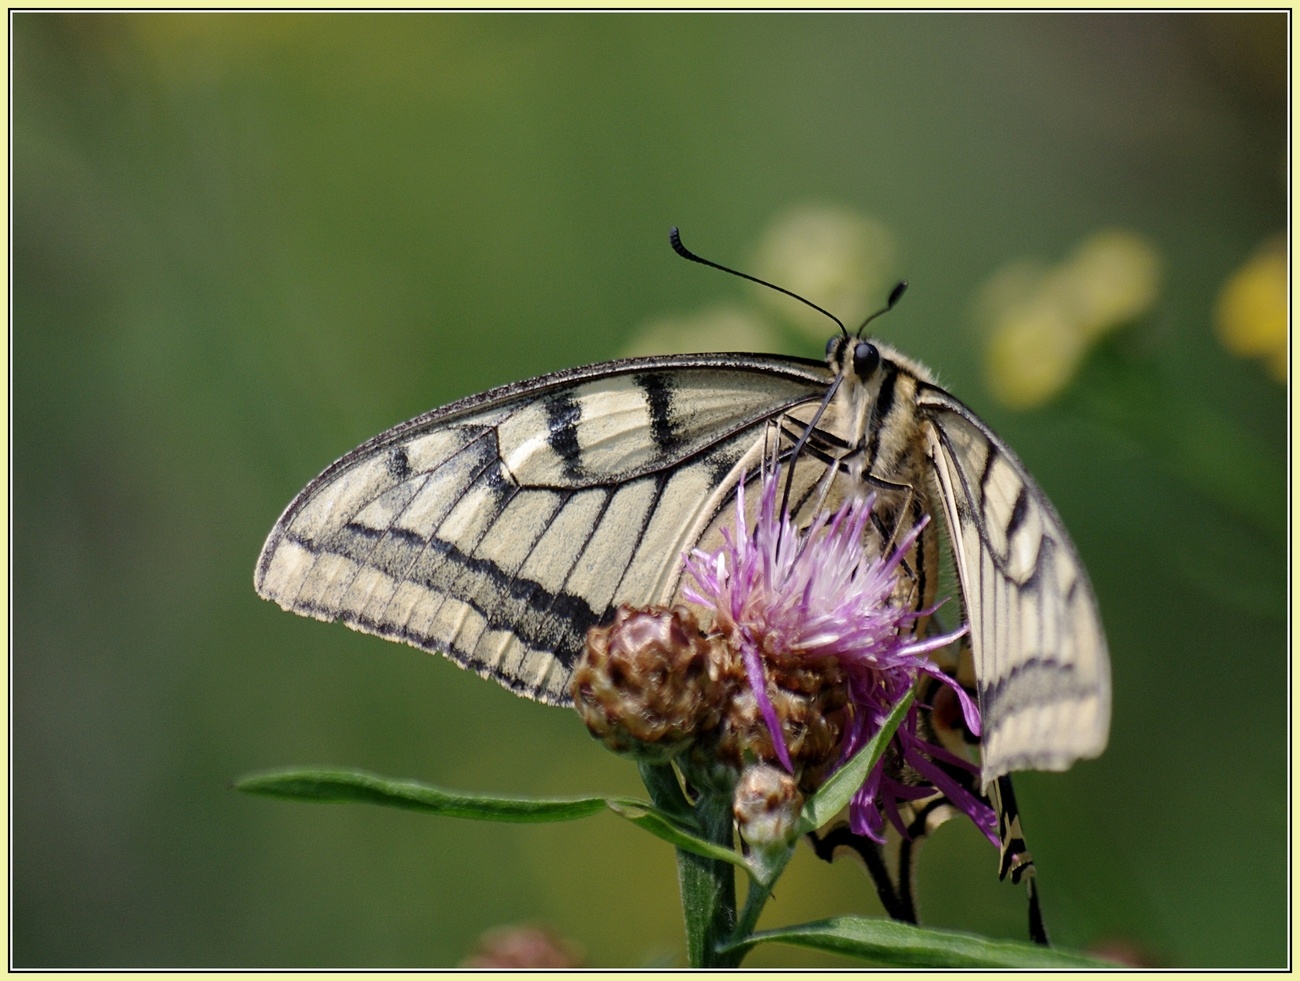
(1033, 355)
(838, 258)
(1113, 278)
(723, 327)
(1042, 320)
(1251, 315)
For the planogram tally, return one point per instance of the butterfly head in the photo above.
(852, 357)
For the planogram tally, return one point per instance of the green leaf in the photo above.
(343, 786)
(337, 786)
(836, 792)
(663, 825)
(888, 943)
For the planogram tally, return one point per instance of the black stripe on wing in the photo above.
(367, 542)
(1041, 663)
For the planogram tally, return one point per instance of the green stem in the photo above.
(755, 900)
(709, 888)
(708, 885)
(764, 870)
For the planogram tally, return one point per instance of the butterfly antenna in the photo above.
(803, 439)
(675, 238)
(895, 295)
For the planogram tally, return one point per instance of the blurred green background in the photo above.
(242, 244)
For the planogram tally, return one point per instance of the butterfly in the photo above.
(498, 529)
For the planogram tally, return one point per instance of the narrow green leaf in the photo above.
(663, 825)
(888, 943)
(337, 786)
(836, 792)
(354, 786)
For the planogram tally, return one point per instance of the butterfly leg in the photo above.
(890, 485)
(786, 440)
(895, 889)
(838, 461)
(896, 898)
(803, 439)
(904, 518)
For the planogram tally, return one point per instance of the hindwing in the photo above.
(1041, 664)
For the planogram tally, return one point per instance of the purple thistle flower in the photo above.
(778, 593)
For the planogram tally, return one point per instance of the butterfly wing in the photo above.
(1041, 664)
(497, 529)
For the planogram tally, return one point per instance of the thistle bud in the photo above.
(649, 682)
(766, 806)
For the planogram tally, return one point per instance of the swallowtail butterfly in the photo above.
(496, 530)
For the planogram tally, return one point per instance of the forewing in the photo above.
(498, 529)
(1041, 665)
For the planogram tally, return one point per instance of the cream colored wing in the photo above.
(1041, 664)
(497, 529)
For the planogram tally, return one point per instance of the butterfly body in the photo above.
(499, 528)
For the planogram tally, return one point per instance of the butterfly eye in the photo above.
(866, 359)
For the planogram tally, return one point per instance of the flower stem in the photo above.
(755, 900)
(708, 886)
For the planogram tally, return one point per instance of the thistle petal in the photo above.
(813, 595)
